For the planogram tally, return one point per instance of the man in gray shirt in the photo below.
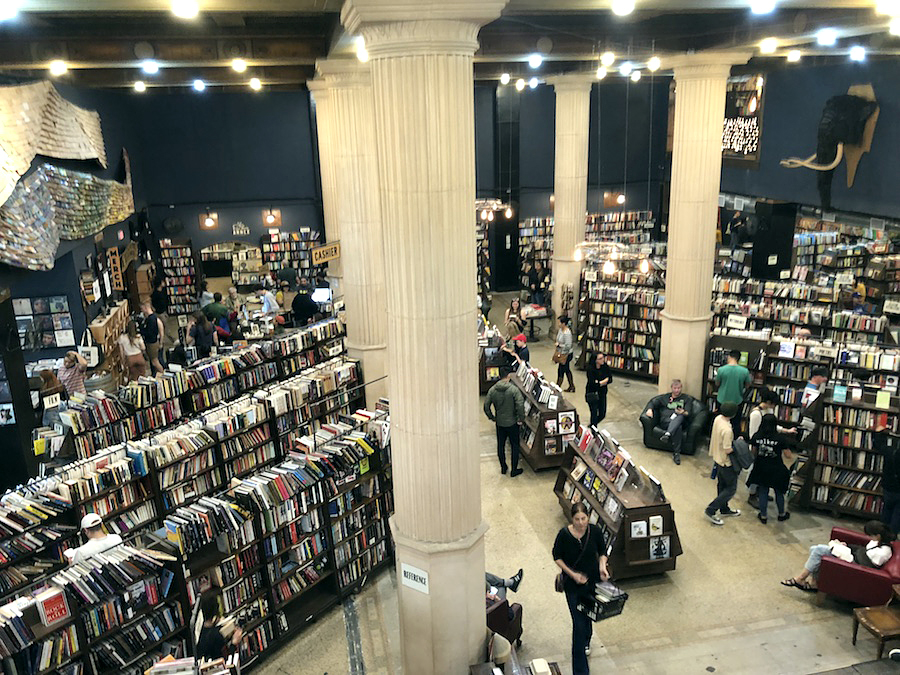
(505, 406)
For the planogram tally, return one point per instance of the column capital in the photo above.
(345, 72)
(407, 27)
(572, 81)
(318, 88)
(708, 64)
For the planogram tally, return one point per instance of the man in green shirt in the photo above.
(216, 310)
(505, 406)
(733, 380)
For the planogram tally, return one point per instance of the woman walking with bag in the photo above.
(598, 378)
(564, 352)
(580, 552)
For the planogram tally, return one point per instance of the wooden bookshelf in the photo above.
(295, 246)
(179, 267)
(619, 507)
(626, 227)
(536, 244)
(543, 440)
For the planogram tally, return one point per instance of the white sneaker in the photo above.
(894, 655)
(714, 519)
(587, 650)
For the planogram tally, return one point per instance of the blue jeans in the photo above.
(582, 630)
(816, 553)
(726, 486)
(673, 428)
(764, 501)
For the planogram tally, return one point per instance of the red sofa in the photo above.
(499, 621)
(862, 585)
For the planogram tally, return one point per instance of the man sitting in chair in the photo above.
(672, 414)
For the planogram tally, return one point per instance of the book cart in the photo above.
(550, 420)
(625, 501)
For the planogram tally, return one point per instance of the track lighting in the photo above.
(520, 84)
(601, 72)
(199, 85)
(238, 65)
(653, 64)
(535, 60)
(768, 46)
(504, 78)
(58, 67)
(150, 67)
(185, 9)
(255, 84)
(140, 87)
(607, 59)
(622, 7)
(827, 37)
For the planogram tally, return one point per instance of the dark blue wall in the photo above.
(794, 99)
(485, 148)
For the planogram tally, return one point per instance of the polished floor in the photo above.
(721, 611)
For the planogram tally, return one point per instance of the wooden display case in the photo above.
(541, 447)
(105, 330)
(490, 360)
(638, 521)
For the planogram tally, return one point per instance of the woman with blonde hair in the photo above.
(133, 351)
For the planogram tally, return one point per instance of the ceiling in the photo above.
(104, 41)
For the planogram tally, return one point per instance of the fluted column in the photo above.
(700, 82)
(573, 102)
(327, 149)
(352, 110)
(421, 58)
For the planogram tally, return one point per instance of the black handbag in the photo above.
(592, 397)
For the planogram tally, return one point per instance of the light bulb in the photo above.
(209, 222)
(826, 37)
(620, 199)
(607, 59)
(199, 85)
(490, 216)
(484, 214)
(238, 65)
(520, 84)
(9, 9)
(635, 76)
(857, 53)
(270, 218)
(609, 267)
(535, 60)
(768, 46)
(150, 67)
(895, 26)
(753, 105)
(508, 213)
(762, 6)
(533, 83)
(889, 7)
(185, 9)
(58, 68)
(255, 84)
(653, 64)
(140, 87)
(644, 266)
(625, 69)
(622, 7)
(579, 254)
(794, 55)
(504, 78)
(601, 72)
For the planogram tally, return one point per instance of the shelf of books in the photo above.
(245, 439)
(619, 315)
(535, 244)
(624, 500)
(180, 273)
(626, 227)
(482, 254)
(291, 248)
(550, 420)
(882, 280)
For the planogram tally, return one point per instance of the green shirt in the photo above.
(215, 311)
(732, 380)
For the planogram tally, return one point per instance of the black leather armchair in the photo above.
(697, 421)
(506, 619)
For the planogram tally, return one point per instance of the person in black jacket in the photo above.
(889, 446)
(599, 377)
(159, 298)
(303, 306)
(518, 352)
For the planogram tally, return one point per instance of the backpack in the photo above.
(741, 457)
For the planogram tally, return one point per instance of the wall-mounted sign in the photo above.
(323, 254)
(240, 230)
(414, 578)
(736, 321)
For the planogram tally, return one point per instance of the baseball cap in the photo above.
(521, 337)
(90, 520)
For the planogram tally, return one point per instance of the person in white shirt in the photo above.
(97, 539)
(875, 553)
(269, 303)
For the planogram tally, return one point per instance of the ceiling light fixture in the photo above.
(889, 7)
(490, 216)
(636, 76)
(9, 9)
(768, 46)
(361, 52)
(653, 64)
(895, 26)
(794, 55)
(609, 267)
(762, 6)
(150, 67)
(58, 67)
(622, 7)
(199, 85)
(508, 213)
(533, 83)
(504, 78)
(535, 60)
(607, 59)
(857, 53)
(601, 72)
(238, 65)
(210, 219)
(826, 37)
(620, 199)
(255, 84)
(185, 9)
(520, 84)
(140, 87)
(625, 69)
(484, 214)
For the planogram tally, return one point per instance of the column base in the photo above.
(444, 629)
(566, 272)
(374, 367)
(683, 353)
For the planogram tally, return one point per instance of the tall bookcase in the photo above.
(626, 227)
(180, 272)
(535, 244)
(295, 246)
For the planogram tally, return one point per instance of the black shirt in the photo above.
(150, 329)
(568, 549)
(203, 339)
(303, 308)
(211, 644)
(595, 376)
(160, 301)
(523, 353)
(889, 446)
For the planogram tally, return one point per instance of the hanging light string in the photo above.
(650, 133)
(625, 170)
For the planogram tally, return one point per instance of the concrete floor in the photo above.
(722, 610)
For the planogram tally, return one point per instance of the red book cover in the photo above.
(53, 607)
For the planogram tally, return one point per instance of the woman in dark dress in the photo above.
(769, 470)
(598, 378)
(580, 552)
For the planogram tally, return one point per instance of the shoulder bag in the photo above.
(559, 357)
(558, 583)
(89, 350)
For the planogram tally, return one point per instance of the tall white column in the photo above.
(700, 83)
(573, 102)
(352, 110)
(327, 149)
(421, 55)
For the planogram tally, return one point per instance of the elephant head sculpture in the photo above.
(848, 122)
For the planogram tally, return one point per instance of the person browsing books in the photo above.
(768, 403)
(71, 373)
(599, 376)
(518, 351)
(212, 642)
(267, 298)
(564, 352)
(580, 552)
(154, 332)
(98, 540)
(672, 415)
(769, 470)
(732, 381)
(505, 407)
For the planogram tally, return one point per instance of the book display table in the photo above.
(550, 420)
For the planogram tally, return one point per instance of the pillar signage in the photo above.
(414, 578)
(736, 321)
(323, 254)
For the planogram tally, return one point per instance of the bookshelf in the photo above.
(626, 227)
(180, 274)
(482, 254)
(625, 501)
(296, 246)
(550, 420)
(106, 329)
(536, 244)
